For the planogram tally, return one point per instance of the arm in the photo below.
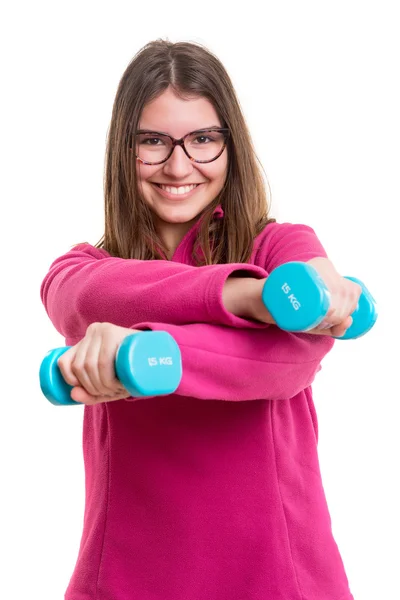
(285, 242)
(86, 285)
(222, 363)
(235, 365)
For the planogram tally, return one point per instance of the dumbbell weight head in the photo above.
(52, 383)
(296, 296)
(149, 364)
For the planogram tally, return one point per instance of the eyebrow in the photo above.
(143, 130)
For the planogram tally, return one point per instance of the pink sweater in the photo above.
(214, 492)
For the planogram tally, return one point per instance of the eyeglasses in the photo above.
(200, 146)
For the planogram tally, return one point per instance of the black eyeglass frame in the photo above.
(181, 142)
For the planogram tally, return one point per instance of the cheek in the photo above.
(220, 176)
(217, 173)
(144, 172)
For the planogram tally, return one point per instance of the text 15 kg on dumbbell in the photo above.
(292, 298)
(162, 360)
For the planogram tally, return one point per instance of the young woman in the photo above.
(213, 492)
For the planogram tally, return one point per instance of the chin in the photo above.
(179, 215)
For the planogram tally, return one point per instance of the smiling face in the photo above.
(175, 213)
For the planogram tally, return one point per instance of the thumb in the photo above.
(79, 394)
(341, 328)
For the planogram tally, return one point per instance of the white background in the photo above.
(319, 86)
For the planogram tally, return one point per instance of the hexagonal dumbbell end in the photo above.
(296, 296)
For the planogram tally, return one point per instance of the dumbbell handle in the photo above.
(298, 300)
(147, 364)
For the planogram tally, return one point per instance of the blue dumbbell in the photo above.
(298, 300)
(147, 364)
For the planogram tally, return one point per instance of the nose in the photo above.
(178, 165)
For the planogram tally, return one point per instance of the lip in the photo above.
(177, 197)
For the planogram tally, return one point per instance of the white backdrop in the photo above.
(318, 83)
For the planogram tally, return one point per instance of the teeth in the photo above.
(178, 190)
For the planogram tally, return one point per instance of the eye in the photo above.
(201, 139)
(151, 141)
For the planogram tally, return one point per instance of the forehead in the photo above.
(171, 114)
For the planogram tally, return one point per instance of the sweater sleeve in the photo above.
(284, 242)
(86, 285)
(222, 363)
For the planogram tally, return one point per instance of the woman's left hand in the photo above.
(344, 296)
(89, 365)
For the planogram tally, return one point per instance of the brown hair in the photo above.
(191, 70)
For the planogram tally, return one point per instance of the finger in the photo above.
(64, 363)
(347, 308)
(345, 302)
(84, 365)
(99, 363)
(338, 312)
(325, 324)
(106, 369)
(340, 330)
(331, 317)
(355, 298)
(80, 395)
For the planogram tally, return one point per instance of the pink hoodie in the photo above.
(214, 492)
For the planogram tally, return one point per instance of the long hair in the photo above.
(190, 70)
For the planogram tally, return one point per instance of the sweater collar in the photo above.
(186, 244)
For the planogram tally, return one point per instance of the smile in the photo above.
(177, 193)
(183, 189)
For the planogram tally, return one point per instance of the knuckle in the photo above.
(77, 368)
(103, 362)
(97, 326)
(355, 287)
(88, 365)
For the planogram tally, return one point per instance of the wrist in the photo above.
(242, 297)
(259, 311)
(322, 265)
(236, 296)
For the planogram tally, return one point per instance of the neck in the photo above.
(172, 234)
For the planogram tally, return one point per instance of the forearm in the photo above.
(223, 363)
(84, 286)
